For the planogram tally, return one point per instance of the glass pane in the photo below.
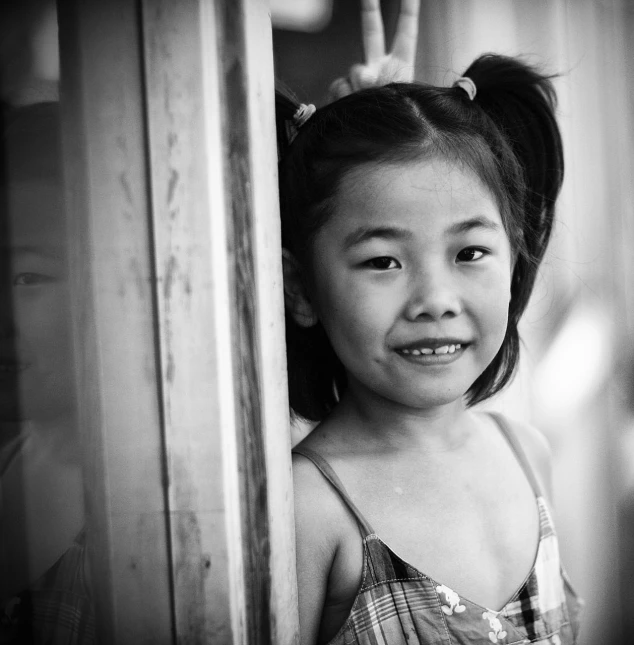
(83, 526)
(44, 587)
(120, 409)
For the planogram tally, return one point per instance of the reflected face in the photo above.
(35, 334)
(411, 281)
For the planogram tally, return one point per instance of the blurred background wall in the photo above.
(576, 380)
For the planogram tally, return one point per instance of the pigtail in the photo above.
(521, 102)
(315, 374)
(31, 142)
(286, 106)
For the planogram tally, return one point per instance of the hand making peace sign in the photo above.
(380, 67)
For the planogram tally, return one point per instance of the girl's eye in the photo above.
(31, 279)
(471, 254)
(383, 263)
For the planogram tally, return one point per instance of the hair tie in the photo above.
(302, 114)
(466, 84)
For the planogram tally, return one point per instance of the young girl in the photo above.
(414, 220)
(44, 586)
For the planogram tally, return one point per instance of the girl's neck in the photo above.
(384, 425)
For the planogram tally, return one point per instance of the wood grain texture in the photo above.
(169, 139)
(112, 275)
(187, 188)
(270, 323)
(244, 314)
(220, 319)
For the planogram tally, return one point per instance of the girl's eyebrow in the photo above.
(474, 222)
(53, 252)
(365, 233)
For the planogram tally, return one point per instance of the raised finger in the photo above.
(405, 40)
(372, 30)
(338, 89)
(362, 76)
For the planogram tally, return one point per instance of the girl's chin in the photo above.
(407, 398)
(434, 402)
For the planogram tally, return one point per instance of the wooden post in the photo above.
(270, 321)
(112, 279)
(171, 145)
(209, 78)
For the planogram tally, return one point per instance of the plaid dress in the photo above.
(55, 610)
(399, 605)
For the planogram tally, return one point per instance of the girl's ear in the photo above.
(295, 296)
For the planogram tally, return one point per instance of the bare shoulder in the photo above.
(315, 505)
(325, 536)
(321, 518)
(537, 448)
(315, 496)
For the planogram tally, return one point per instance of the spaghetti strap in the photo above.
(326, 470)
(507, 431)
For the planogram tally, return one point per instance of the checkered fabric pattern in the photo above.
(399, 605)
(56, 610)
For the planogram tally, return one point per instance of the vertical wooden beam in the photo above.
(253, 236)
(268, 296)
(259, 364)
(106, 174)
(209, 80)
(195, 327)
(244, 315)
(180, 319)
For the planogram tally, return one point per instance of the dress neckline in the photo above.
(368, 532)
(543, 518)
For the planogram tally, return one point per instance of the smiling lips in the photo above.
(433, 348)
(443, 349)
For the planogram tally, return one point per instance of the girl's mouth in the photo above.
(427, 351)
(441, 355)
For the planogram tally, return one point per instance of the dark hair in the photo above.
(31, 143)
(507, 136)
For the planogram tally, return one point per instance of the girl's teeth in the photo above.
(445, 349)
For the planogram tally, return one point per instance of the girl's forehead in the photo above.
(34, 214)
(423, 187)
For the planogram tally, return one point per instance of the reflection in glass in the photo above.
(44, 594)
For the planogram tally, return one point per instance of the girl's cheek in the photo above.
(46, 307)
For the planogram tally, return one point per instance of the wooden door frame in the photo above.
(171, 173)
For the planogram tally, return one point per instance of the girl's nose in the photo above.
(433, 295)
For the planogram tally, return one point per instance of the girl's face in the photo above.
(412, 279)
(36, 378)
